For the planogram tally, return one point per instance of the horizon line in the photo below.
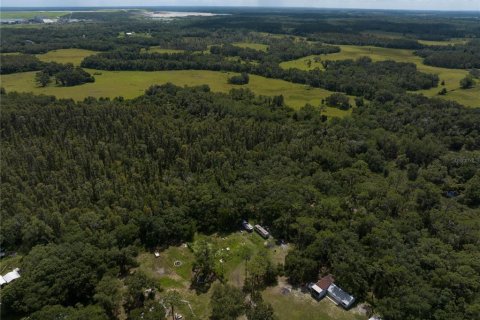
(240, 6)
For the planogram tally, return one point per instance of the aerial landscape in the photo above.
(247, 160)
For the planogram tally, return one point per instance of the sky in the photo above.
(450, 5)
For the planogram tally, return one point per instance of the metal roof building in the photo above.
(340, 296)
(9, 277)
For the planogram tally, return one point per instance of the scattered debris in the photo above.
(247, 226)
(285, 290)
(177, 263)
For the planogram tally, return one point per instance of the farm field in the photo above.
(74, 56)
(256, 46)
(452, 77)
(131, 84)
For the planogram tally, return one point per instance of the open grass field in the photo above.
(256, 46)
(442, 43)
(31, 14)
(74, 56)
(226, 247)
(130, 84)
(452, 77)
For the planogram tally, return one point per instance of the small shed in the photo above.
(317, 292)
(319, 289)
(9, 277)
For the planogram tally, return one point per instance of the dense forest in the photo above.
(387, 200)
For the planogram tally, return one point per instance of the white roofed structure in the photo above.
(9, 277)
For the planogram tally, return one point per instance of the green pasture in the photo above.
(74, 56)
(443, 42)
(130, 84)
(32, 14)
(452, 77)
(256, 46)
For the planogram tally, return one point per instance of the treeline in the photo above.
(432, 26)
(457, 56)
(361, 77)
(12, 63)
(65, 75)
(387, 200)
(278, 51)
(365, 40)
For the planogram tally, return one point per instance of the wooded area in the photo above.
(386, 198)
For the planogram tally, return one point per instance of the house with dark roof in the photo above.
(319, 289)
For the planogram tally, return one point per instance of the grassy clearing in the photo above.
(300, 306)
(157, 49)
(442, 43)
(451, 77)
(226, 247)
(130, 84)
(9, 263)
(31, 14)
(384, 34)
(256, 46)
(74, 56)
(296, 305)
